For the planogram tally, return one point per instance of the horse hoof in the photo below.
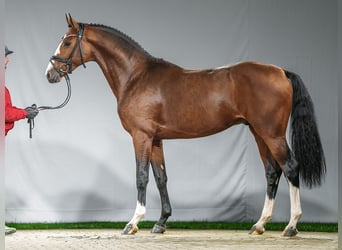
(290, 232)
(158, 229)
(130, 229)
(256, 231)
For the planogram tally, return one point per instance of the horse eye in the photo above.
(67, 44)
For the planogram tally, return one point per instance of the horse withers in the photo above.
(159, 100)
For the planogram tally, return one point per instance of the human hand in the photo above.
(32, 111)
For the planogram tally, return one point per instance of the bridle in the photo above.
(64, 70)
(66, 67)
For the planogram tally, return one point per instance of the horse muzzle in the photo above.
(53, 76)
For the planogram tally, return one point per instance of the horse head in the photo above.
(69, 53)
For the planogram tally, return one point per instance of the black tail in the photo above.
(306, 142)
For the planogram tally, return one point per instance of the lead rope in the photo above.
(31, 121)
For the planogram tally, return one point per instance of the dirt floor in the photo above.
(171, 239)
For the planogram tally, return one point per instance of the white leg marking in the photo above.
(139, 214)
(266, 215)
(296, 209)
(267, 212)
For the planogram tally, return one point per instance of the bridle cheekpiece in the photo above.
(66, 67)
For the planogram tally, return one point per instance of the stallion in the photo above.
(159, 100)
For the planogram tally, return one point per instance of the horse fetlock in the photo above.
(297, 216)
(158, 229)
(130, 229)
(290, 232)
(257, 230)
(166, 213)
(267, 218)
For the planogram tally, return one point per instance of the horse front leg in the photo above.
(142, 147)
(159, 171)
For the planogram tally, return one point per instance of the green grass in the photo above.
(313, 227)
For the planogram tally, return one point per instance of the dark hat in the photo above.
(7, 51)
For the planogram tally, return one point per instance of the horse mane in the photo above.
(129, 42)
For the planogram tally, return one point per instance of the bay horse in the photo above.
(159, 100)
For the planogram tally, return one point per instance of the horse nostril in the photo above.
(49, 76)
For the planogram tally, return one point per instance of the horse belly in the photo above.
(197, 123)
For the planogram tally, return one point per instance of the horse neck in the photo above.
(117, 64)
(117, 71)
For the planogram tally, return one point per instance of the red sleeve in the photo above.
(12, 113)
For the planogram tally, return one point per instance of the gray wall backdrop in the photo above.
(80, 164)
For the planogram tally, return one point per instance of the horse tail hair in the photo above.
(305, 139)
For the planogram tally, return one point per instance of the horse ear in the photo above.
(71, 22)
(68, 20)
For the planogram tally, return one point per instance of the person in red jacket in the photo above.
(13, 114)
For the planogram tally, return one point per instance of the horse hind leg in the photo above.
(292, 177)
(284, 157)
(272, 173)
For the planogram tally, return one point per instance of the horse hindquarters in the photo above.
(307, 161)
(269, 129)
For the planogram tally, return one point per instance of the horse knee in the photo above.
(141, 184)
(161, 181)
(160, 177)
(142, 177)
